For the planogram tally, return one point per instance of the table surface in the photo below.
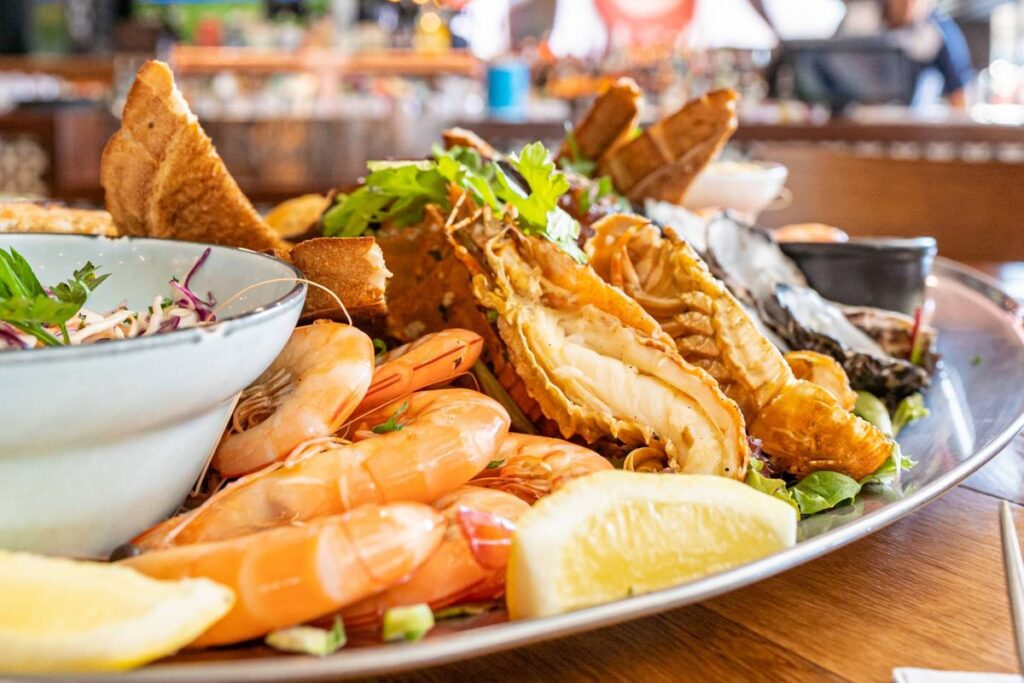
(927, 591)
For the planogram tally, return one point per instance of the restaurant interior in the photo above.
(922, 134)
(874, 146)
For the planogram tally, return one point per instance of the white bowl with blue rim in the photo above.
(100, 441)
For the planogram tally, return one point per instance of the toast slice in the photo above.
(32, 217)
(665, 160)
(609, 121)
(351, 267)
(163, 178)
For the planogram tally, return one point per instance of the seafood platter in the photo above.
(479, 400)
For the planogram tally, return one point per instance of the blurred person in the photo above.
(929, 38)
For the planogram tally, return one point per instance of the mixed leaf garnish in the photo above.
(30, 308)
(398, 192)
(824, 490)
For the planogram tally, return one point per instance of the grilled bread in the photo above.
(163, 178)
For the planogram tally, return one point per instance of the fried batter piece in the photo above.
(33, 217)
(163, 178)
(597, 364)
(802, 426)
(608, 123)
(826, 372)
(431, 290)
(663, 162)
(351, 267)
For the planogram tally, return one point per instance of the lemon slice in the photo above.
(61, 615)
(613, 534)
(294, 216)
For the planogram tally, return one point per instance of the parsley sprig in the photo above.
(29, 307)
(398, 192)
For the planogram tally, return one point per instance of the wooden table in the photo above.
(927, 591)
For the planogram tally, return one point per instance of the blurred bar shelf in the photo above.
(192, 60)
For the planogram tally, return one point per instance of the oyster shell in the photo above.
(756, 270)
(594, 361)
(802, 426)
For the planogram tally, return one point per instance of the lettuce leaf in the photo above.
(823, 490)
(773, 487)
(910, 409)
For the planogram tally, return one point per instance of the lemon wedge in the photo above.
(613, 534)
(60, 615)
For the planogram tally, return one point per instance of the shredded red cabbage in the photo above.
(9, 335)
(189, 299)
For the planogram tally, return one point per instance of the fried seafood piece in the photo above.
(826, 372)
(595, 362)
(663, 162)
(163, 178)
(432, 291)
(801, 425)
(608, 123)
(33, 217)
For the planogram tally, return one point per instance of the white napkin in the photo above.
(908, 675)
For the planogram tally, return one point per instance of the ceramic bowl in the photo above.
(748, 187)
(100, 441)
(883, 272)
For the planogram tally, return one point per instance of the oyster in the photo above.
(593, 360)
(802, 426)
(756, 270)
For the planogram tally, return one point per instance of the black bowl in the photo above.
(881, 272)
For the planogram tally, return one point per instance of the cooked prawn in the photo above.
(530, 467)
(312, 387)
(293, 574)
(436, 441)
(471, 559)
(431, 359)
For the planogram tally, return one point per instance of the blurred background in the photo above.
(893, 116)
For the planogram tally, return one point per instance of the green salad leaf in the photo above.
(409, 623)
(910, 409)
(398, 191)
(576, 161)
(889, 473)
(773, 487)
(823, 490)
(870, 408)
(27, 306)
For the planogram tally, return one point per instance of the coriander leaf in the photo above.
(380, 348)
(823, 490)
(494, 464)
(910, 409)
(576, 161)
(546, 185)
(773, 487)
(392, 424)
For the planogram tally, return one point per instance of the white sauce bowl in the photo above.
(745, 186)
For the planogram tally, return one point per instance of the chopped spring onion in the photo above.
(309, 640)
(409, 623)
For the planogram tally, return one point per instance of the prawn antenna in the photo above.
(309, 283)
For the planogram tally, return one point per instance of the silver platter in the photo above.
(977, 406)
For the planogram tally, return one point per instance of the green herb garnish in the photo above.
(870, 408)
(398, 191)
(309, 640)
(392, 424)
(26, 305)
(576, 161)
(976, 360)
(407, 623)
(494, 464)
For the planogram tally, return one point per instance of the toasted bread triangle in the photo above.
(163, 178)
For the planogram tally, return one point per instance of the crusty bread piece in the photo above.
(608, 122)
(163, 178)
(32, 217)
(351, 267)
(460, 137)
(664, 161)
